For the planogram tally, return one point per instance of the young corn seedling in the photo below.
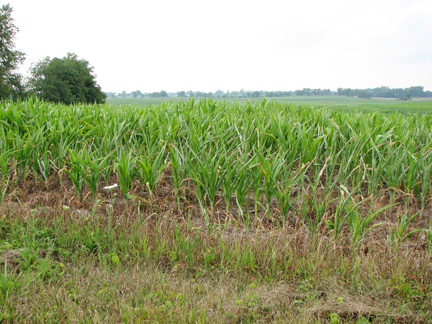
(205, 168)
(3, 189)
(23, 150)
(426, 174)
(272, 167)
(318, 201)
(6, 164)
(309, 145)
(243, 184)
(198, 186)
(358, 224)
(257, 176)
(125, 167)
(229, 181)
(374, 174)
(176, 164)
(150, 167)
(284, 192)
(77, 172)
(95, 167)
(43, 163)
(342, 211)
(428, 233)
(400, 233)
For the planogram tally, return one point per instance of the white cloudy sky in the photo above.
(234, 44)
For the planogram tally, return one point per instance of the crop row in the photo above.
(232, 150)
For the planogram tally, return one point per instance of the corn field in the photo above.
(257, 164)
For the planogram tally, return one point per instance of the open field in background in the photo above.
(385, 105)
(224, 212)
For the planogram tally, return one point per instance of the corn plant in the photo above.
(150, 167)
(205, 168)
(243, 185)
(95, 167)
(23, 150)
(176, 172)
(77, 171)
(6, 164)
(44, 165)
(284, 192)
(3, 189)
(358, 222)
(400, 233)
(125, 167)
(318, 198)
(428, 232)
(245, 153)
(272, 168)
(345, 204)
(228, 183)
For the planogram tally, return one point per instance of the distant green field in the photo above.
(366, 105)
(338, 102)
(140, 101)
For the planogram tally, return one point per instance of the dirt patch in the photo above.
(11, 258)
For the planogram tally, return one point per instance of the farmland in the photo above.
(341, 103)
(216, 211)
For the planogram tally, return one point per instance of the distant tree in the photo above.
(110, 94)
(363, 94)
(256, 94)
(416, 91)
(136, 93)
(349, 92)
(270, 94)
(10, 81)
(181, 94)
(219, 93)
(201, 94)
(406, 97)
(158, 94)
(68, 80)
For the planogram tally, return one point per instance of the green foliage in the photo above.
(363, 94)
(261, 161)
(10, 81)
(173, 273)
(126, 169)
(77, 172)
(68, 80)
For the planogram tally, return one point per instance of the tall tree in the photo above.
(69, 80)
(10, 80)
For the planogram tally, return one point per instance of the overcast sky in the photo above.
(204, 45)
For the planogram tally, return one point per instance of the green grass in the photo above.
(156, 270)
(385, 105)
(140, 101)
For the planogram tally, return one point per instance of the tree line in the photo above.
(384, 92)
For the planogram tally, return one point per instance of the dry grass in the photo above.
(109, 261)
